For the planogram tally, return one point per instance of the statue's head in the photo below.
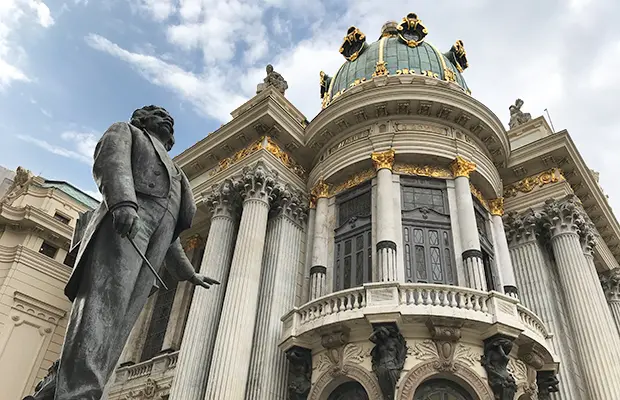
(269, 68)
(157, 121)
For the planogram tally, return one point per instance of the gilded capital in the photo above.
(496, 206)
(321, 189)
(383, 159)
(462, 167)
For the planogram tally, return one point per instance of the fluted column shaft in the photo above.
(386, 234)
(233, 347)
(598, 344)
(269, 366)
(506, 269)
(320, 242)
(308, 260)
(190, 379)
(533, 277)
(470, 241)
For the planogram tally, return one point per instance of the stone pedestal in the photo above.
(611, 287)
(386, 233)
(470, 241)
(233, 347)
(598, 343)
(506, 269)
(268, 366)
(538, 294)
(320, 242)
(190, 379)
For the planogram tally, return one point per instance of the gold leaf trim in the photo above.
(423, 170)
(528, 184)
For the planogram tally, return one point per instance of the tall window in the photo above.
(48, 249)
(159, 319)
(353, 244)
(486, 246)
(427, 234)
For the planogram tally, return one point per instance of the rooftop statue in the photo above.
(518, 117)
(272, 79)
(147, 203)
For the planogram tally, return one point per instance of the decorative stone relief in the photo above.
(388, 357)
(285, 158)
(524, 375)
(150, 390)
(564, 215)
(299, 372)
(445, 338)
(257, 182)
(610, 282)
(224, 199)
(290, 203)
(423, 170)
(547, 384)
(495, 361)
(339, 356)
(528, 184)
(383, 159)
(462, 167)
(521, 227)
(587, 232)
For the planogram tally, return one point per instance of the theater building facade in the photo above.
(404, 244)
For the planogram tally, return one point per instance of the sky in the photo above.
(70, 68)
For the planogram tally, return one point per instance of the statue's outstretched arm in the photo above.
(112, 167)
(177, 263)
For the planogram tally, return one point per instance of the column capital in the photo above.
(289, 202)
(497, 206)
(563, 215)
(521, 228)
(610, 281)
(462, 167)
(383, 159)
(587, 232)
(320, 190)
(223, 200)
(257, 182)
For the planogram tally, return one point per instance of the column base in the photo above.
(474, 268)
(386, 256)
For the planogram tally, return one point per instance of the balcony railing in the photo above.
(155, 366)
(374, 301)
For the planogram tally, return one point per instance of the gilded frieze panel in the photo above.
(528, 184)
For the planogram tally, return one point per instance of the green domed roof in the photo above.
(400, 50)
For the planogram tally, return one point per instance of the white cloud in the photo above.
(46, 113)
(83, 143)
(160, 10)
(13, 16)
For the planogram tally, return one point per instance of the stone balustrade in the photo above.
(485, 311)
(157, 373)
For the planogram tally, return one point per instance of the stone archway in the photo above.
(462, 375)
(329, 380)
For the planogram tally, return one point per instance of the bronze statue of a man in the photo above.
(146, 198)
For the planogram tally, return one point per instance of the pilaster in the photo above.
(233, 346)
(598, 343)
(196, 352)
(470, 241)
(506, 269)
(383, 163)
(320, 241)
(268, 366)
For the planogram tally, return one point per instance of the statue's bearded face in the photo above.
(156, 121)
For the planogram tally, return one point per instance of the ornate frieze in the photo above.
(285, 158)
(610, 281)
(355, 180)
(337, 360)
(423, 170)
(478, 194)
(446, 338)
(524, 375)
(384, 159)
(388, 357)
(495, 361)
(528, 184)
(299, 372)
(462, 167)
(496, 206)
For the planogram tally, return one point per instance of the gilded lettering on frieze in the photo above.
(528, 184)
(343, 143)
(400, 127)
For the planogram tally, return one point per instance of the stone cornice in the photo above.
(37, 261)
(37, 217)
(38, 308)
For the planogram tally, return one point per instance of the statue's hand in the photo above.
(126, 221)
(201, 280)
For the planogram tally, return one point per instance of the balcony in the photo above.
(485, 312)
(146, 378)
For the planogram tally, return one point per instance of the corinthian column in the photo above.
(386, 233)
(318, 271)
(470, 241)
(537, 293)
(598, 343)
(506, 269)
(268, 366)
(228, 375)
(611, 287)
(190, 379)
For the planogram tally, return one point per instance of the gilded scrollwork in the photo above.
(462, 167)
(383, 159)
(380, 69)
(478, 194)
(320, 190)
(423, 170)
(353, 44)
(285, 158)
(528, 184)
(411, 30)
(496, 206)
(355, 180)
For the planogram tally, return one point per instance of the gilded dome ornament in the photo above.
(353, 44)
(411, 30)
(462, 167)
(458, 56)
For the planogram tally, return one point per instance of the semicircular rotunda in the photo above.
(402, 245)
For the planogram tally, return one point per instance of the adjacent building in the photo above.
(37, 217)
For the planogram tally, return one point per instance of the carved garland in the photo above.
(528, 184)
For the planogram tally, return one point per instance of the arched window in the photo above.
(349, 391)
(441, 389)
(427, 234)
(353, 239)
